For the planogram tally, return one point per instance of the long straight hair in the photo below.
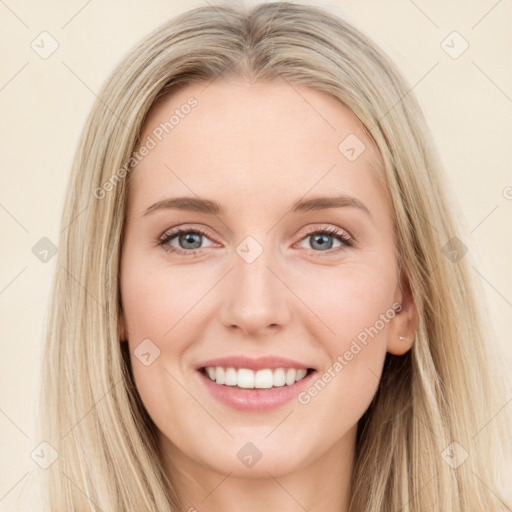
(437, 404)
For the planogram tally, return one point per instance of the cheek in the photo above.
(350, 299)
(355, 303)
(160, 313)
(155, 302)
(157, 298)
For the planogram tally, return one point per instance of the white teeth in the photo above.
(291, 373)
(230, 377)
(279, 377)
(244, 378)
(219, 375)
(249, 379)
(263, 379)
(301, 373)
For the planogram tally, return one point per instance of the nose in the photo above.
(256, 301)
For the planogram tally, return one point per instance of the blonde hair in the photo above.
(439, 393)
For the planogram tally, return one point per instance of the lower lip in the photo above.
(255, 399)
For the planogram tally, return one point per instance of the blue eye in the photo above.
(322, 239)
(190, 240)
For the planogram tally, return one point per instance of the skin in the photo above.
(256, 148)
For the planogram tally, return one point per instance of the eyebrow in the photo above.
(200, 205)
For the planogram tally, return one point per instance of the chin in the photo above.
(256, 459)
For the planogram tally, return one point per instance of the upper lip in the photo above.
(253, 364)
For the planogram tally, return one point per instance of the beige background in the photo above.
(44, 103)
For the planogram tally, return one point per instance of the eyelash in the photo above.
(342, 236)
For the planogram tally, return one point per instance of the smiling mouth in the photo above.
(244, 378)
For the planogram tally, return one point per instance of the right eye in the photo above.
(189, 240)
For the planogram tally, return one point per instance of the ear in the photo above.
(404, 322)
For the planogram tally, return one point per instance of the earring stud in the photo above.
(404, 338)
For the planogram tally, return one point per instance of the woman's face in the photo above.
(255, 274)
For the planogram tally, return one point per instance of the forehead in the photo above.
(240, 140)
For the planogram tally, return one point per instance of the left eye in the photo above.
(322, 239)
